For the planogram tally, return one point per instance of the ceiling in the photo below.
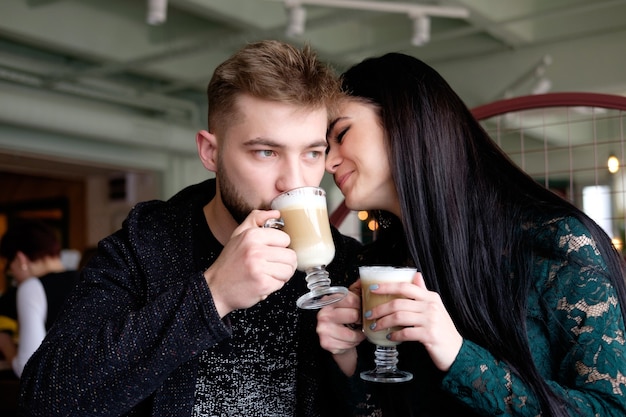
(105, 52)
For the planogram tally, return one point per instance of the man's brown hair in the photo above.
(270, 70)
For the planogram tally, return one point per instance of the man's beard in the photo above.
(234, 202)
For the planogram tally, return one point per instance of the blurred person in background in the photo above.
(33, 254)
(8, 327)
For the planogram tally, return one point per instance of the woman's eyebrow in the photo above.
(333, 123)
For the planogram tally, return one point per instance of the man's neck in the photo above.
(219, 220)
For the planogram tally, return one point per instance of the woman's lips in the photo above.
(340, 180)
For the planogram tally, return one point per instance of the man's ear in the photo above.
(207, 149)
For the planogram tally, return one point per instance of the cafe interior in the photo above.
(100, 100)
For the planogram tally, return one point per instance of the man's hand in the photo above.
(254, 263)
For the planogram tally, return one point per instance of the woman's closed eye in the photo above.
(338, 138)
(335, 139)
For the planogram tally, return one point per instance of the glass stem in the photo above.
(317, 277)
(386, 358)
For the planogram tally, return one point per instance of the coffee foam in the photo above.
(387, 273)
(300, 197)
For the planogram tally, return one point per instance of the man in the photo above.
(189, 310)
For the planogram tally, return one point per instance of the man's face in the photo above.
(273, 148)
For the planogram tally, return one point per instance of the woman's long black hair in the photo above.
(463, 204)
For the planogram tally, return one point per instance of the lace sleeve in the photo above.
(577, 339)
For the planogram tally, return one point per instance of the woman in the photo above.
(519, 308)
(33, 256)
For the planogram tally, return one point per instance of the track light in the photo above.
(420, 14)
(297, 19)
(533, 79)
(421, 30)
(157, 12)
(542, 86)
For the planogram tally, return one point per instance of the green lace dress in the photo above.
(577, 338)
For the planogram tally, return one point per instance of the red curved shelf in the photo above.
(539, 101)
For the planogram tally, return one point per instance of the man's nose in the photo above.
(291, 176)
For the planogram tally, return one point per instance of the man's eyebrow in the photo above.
(263, 142)
(273, 144)
(320, 144)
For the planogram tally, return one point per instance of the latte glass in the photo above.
(304, 214)
(386, 355)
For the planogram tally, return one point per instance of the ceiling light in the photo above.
(420, 14)
(421, 30)
(534, 79)
(157, 12)
(542, 86)
(297, 18)
(613, 164)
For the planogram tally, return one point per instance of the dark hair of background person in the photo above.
(463, 204)
(34, 238)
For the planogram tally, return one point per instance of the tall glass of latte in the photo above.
(386, 355)
(304, 214)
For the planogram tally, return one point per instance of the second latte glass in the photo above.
(305, 217)
(386, 355)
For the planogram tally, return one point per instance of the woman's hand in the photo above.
(339, 328)
(424, 318)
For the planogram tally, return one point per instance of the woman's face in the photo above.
(357, 158)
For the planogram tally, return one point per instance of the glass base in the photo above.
(386, 376)
(386, 359)
(320, 297)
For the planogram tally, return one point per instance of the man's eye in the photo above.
(316, 154)
(265, 153)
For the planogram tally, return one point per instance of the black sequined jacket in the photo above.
(129, 340)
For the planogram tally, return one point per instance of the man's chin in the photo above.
(237, 214)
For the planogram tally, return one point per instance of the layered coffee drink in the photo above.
(305, 216)
(386, 354)
(371, 275)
